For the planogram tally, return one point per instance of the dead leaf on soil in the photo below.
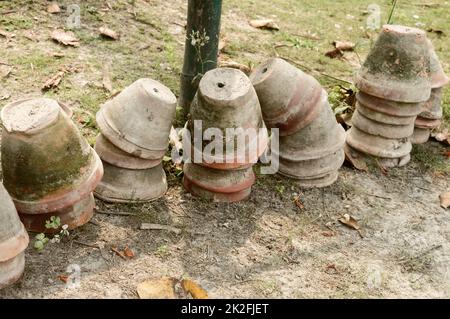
(344, 45)
(53, 8)
(66, 38)
(194, 289)
(6, 34)
(328, 233)
(445, 199)
(63, 278)
(442, 136)
(355, 161)
(334, 54)
(5, 97)
(106, 32)
(299, 203)
(128, 252)
(349, 221)
(235, 65)
(267, 24)
(5, 70)
(54, 81)
(119, 253)
(163, 288)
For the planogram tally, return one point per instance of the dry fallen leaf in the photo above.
(445, 199)
(356, 161)
(349, 221)
(334, 54)
(267, 24)
(163, 288)
(53, 8)
(118, 252)
(128, 252)
(194, 289)
(443, 136)
(66, 38)
(299, 203)
(108, 33)
(235, 65)
(344, 45)
(53, 81)
(63, 278)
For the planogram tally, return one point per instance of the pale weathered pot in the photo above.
(320, 138)
(384, 118)
(353, 154)
(289, 97)
(13, 241)
(73, 216)
(396, 110)
(433, 107)
(421, 135)
(398, 66)
(381, 129)
(219, 181)
(226, 100)
(138, 120)
(113, 155)
(378, 146)
(314, 168)
(47, 164)
(215, 197)
(427, 123)
(438, 77)
(122, 185)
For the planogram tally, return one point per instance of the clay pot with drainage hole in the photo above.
(138, 119)
(290, 99)
(123, 185)
(113, 155)
(398, 66)
(47, 165)
(225, 100)
(218, 185)
(13, 241)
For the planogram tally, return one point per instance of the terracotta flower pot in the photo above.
(73, 216)
(381, 129)
(113, 155)
(225, 100)
(13, 241)
(398, 66)
(395, 111)
(47, 164)
(421, 135)
(138, 120)
(378, 146)
(290, 99)
(122, 185)
(375, 161)
(320, 138)
(433, 107)
(218, 185)
(438, 77)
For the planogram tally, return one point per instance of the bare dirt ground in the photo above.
(267, 246)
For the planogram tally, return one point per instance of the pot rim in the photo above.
(13, 246)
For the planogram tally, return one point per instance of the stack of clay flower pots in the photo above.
(135, 127)
(431, 117)
(48, 167)
(311, 141)
(225, 101)
(13, 241)
(394, 84)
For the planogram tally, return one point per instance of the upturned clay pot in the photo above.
(289, 98)
(73, 216)
(378, 146)
(138, 120)
(427, 123)
(322, 137)
(381, 129)
(113, 155)
(47, 164)
(314, 169)
(353, 154)
(122, 185)
(421, 135)
(398, 66)
(394, 110)
(226, 100)
(219, 181)
(13, 241)
(433, 107)
(438, 77)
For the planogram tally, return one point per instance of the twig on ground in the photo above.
(147, 226)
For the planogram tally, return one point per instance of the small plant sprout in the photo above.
(54, 223)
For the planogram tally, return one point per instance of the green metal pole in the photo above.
(201, 50)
